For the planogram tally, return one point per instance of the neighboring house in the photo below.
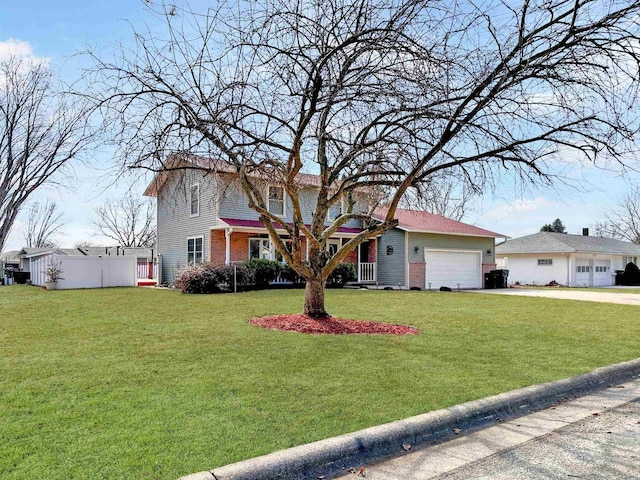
(205, 217)
(35, 261)
(571, 260)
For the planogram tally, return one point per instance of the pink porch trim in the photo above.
(257, 224)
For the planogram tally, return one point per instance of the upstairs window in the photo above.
(335, 211)
(545, 261)
(276, 200)
(194, 250)
(194, 200)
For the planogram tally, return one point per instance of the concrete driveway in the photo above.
(605, 297)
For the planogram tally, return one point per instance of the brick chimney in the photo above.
(585, 232)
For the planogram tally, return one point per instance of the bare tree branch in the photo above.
(41, 131)
(623, 222)
(43, 222)
(129, 221)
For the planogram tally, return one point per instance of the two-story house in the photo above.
(204, 215)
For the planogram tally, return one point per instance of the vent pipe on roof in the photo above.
(585, 232)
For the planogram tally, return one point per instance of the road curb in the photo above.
(334, 455)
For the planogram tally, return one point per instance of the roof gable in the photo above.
(549, 242)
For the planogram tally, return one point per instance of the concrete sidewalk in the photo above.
(595, 437)
(605, 297)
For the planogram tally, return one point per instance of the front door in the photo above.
(364, 252)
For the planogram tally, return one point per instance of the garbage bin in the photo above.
(500, 278)
(489, 280)
(21, 277)
(619, 277)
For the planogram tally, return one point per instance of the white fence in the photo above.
(367, 272)
(87, 272)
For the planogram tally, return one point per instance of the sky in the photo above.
(58, 31)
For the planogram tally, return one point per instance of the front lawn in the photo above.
(143, 383)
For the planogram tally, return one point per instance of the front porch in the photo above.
(240, 240)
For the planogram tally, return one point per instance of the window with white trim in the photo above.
(545, 261)
(194, 249)
(194, 199)
(601, 269)
(276, 200)
(278, 256)
(583, 268)
(263, 248)
(627, 260)
(333, 245)
(260, 248)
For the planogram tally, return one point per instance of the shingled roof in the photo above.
(425, 222)
(548, 242)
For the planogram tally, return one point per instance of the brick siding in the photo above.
(417, 274)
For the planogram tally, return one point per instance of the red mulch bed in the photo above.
(337, 326)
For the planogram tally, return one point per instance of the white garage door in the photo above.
(450, 268)
(583, 273)
(602, 275)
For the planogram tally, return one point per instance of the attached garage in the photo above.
(453, 268)
(583, 272)
(602, 273)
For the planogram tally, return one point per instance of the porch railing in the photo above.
(143, 270)
(367, 272)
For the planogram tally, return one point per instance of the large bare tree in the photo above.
(128, 220)
(623, 221)
(41, 130)
(375, 96)
(446, 196)
(43, 222)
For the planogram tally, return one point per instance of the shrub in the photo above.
(288, 274)
(631, 274)
(264, 271)
(244, 277)
(198, 278)
(344, 272)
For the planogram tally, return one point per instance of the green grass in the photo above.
(142, 383)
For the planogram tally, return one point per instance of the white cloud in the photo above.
(516, 208)
(21, 49)
(15, 47)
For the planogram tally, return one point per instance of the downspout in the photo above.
(227, 245)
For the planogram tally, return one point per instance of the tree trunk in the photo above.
(314, 298)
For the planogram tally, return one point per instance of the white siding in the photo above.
(524, 269)
(175, 222)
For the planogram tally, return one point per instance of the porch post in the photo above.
(359, 277)
(227, 245)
